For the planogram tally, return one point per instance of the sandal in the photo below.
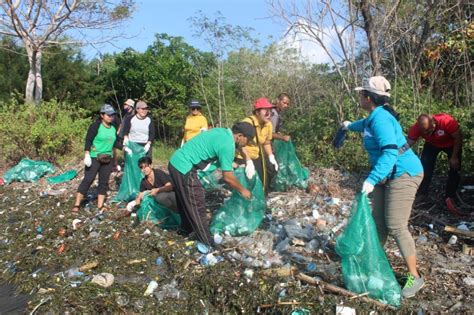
(75, 209)
(104, 209)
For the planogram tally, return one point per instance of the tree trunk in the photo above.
(34, 83)
(30, 82)
(38, 79)
(371, 38)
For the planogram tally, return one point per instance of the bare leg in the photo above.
(100, 201)
(411, 265)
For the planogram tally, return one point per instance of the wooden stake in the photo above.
(335, 289)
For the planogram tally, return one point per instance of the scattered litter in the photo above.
(345, 310)
(103, 279)
(152, 286)
(469, 281)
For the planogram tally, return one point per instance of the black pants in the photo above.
(191, 201)
(428, 159)
(104, 171)
(167, 199)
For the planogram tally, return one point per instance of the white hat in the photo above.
(130, 102)
(378, 85)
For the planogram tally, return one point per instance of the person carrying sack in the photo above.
(258, 155)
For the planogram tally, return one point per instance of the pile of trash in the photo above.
(104, 262)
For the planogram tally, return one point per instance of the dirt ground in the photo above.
(52, 264)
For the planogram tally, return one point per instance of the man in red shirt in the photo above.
(441, 133)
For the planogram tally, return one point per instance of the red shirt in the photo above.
(441, 137)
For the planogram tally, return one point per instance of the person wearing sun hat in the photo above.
(258, 155)
(196, 122)
(395, 176)
(140, 128)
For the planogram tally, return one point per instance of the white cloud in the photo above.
(308, 48)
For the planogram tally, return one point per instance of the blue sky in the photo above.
(171, 17)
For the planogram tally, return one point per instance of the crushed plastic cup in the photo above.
(453, 240)
(217, 239)
(202, 248)
(76, 223)
(159, 261)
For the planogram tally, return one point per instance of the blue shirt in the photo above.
(383, 136)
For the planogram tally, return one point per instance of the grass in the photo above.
(162, 153)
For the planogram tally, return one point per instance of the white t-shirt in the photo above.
(139, 129)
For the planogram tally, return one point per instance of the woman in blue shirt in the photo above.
(395, 175)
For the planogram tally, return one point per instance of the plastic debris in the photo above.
(169, 291)
(103, 279)
(152, 286)
(453, 240)
(345, 310)
(62, 178)
(469, 281)
(340, 137)
(291, 173)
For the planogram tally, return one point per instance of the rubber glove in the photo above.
(128, 150)
(345, 125)
(87, 160)
(147, 147)
(367, 187)
(249, 169)
(125, 141)
(131, 205)
(272, 160)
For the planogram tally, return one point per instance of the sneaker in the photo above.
(453, 209)
(412, 286)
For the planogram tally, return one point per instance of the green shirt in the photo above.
(215, 144)
(103, 141)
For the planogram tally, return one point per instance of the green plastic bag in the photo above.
(28, 171)
(239, 216)
(152, 211)
(365, 267)
(132, 175)
(64, 177)
(208, 178)
(291, 172)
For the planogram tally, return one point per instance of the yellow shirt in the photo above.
(193, 126)
(264, 134)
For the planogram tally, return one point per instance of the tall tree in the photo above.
(43, 23)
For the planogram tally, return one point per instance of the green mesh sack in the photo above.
(208, 178)
(132, 175)
(291, 172)
(239, 216)
(28, 171)
(152, 211)
(365, 267)
(62, 178)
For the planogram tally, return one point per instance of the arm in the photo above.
(268, 148)
(280, 137)
(151, 131)
(231, 180)
(165, 188)
(126, 126)
(357, 125)
(91, 134)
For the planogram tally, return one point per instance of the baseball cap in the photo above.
(262, 103)
(107, 109)
(378, 85)
(141, 104)
(194, 103)
(244, 128)
(130, 102)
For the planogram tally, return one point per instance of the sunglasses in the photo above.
(195, 108)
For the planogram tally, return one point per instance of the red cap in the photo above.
(262, 103)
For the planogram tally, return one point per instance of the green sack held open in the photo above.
(239, 216)
(132, 175)
(152, 211)
(290, 173)
(365, 266)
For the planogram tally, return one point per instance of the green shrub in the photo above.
(51, 132)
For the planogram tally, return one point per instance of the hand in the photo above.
(128, 150)
(250, 169)
(345, 125)
(203, 129)
(87, 160)
(286, 138)
(182, 143)
(131, 205)
(147, 147)
(246, 194)
(125, 141)
(272, 160)
(118, 168)
(454, 163)
(367, 187)
(154, 191)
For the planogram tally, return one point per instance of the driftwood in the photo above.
(453, 230)
(335, 289)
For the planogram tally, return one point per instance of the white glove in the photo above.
(128, 150)
(131, 205)
(203, 129)
(272, 160)
(345, 125)
(182, 143)
(125, 141)
(206, 168)
(119, 168)
(367, 187)
(249, 169)
(87, 160)
(147, 147)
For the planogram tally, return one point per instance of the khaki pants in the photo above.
(392, 204)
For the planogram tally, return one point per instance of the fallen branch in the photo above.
(335, 289)
(284, 303)
(453, 230)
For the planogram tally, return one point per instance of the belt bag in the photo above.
(104, 158)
